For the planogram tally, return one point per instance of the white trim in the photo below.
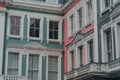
(103, 8)
(17, 51)
(103, 40)
(40, 38)
(77, 19)
(47, 30)
(59, 64)
(59, 31)
(21, 25)
(38, 3)
(2, 26)
(116, 40)
(70, 34)
(46, 67)
(88, 51)
(69, 58)
(95, 32)
(86, 20)
(78, 55)
(59, 67)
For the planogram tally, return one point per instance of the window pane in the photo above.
(31, 32)
(34, 28)
(53, 30)
(90, 43)
(33, 67)
(36, 32)
(12, 71)
(80, 17)
(14, 25)
(109, 44)
(51, 25)
(51, 34)
(37, 22)
(55, 34)
(71, 25)
(13, 63)
(53, 68)
(55, 25)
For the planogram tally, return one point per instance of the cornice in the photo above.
(59, 9)
(35, 46)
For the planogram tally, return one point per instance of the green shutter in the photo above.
(43, 67)
(23, 65)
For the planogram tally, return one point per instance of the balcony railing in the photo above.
(70, 74)
(114, 65)
(15, 78)
(90, 68)
(10, 77)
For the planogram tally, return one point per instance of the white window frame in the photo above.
(78, 26)
(87, 22)
(59, 55)
(20, 59)
(40, 38)
(88, 51)
(59, 31)
(102, 6)
(116, 25)
(103, 41)
(70, 49)
(78, 55)
(21, 26)
(86, 40)
(69, 24)
(36, 52)
(39, 63)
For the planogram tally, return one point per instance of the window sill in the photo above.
(15, 36)
(54, 40)
(36, 39)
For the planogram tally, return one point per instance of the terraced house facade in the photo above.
(33, 43)
(59, 39)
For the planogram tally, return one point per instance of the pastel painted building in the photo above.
(108, 22)
(79, 40)
(91, 40)
(59, 39)
(32, 37)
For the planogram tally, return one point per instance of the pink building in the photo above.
(79, 36)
